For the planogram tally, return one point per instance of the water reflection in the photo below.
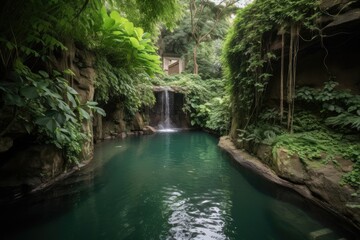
(200, 216)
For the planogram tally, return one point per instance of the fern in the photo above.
(345, 120)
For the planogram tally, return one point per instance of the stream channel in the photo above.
(167, 186)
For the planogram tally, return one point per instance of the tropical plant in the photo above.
(339, 108)
(36, 94)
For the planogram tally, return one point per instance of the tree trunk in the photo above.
(282, 77)
(196, 66)
(290, 79)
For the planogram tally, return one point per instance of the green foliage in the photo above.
(312, 140)
(219, 114)
(208, 60)
(47, 107)
(150, 14)
(125, 45)
(324, 145)
(133, 89)
(353, 178)
(205, 101)
(203, 31)
(34, 32)
(339, 108)
(247, 56)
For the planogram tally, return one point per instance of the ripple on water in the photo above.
(194, 217)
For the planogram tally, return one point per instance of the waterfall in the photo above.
(165, 122)
(166, 118)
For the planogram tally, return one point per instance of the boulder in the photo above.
(289, 166)
(149, 130)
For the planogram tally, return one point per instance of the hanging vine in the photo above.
(247, 60)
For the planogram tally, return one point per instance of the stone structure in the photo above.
(172, 64)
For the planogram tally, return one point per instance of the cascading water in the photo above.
(165, 124)
(166, 116)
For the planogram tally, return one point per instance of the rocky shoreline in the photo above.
(341, 201)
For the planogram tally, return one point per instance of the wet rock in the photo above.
(138, 122)
(149, 130)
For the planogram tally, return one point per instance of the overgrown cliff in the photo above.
(62, 64)
(294, 76)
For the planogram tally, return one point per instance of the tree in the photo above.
(149, 14)
(207, 19)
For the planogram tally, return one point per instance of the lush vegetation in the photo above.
(38, 94)
(206, 101)
(324, 134)
(198, 37)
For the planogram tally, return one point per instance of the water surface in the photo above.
(166, 186)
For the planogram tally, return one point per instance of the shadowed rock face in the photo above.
(32, 167)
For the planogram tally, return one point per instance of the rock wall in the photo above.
(117, 124)
(26, 164)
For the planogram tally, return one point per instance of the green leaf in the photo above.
(69, 72)
(48, 122)
(134, 42)
(60, 118)
(108, 23)
(99, 111)
(71, 99)
(28, 127)
(91, 103)
(29, 92)
(44, 74)
(14, 100)
(149, 57)
(139, 32)
(71, 90)
(129, 28)
(116, 16)
(84, 114)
